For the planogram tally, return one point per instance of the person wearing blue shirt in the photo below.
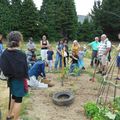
(60, 47)
(1, 45)
(50, 57)
(81, 55)
(94, 45)
(38, 69)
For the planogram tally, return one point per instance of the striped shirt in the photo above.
(103, 47)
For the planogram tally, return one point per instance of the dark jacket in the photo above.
(13, 63)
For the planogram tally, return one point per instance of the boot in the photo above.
(45, 81)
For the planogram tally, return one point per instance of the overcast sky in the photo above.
(83, 7)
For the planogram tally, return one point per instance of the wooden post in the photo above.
(62, 72)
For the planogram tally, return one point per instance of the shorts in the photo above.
(118, 61)
(17, 99)
(103, 59)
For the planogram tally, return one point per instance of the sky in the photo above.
(83, 7)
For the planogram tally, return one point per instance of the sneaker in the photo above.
(99, 72)
(83, 68)
(104, 73)
(42, 85)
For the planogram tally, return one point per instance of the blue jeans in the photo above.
(58, 60)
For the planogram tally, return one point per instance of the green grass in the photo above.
(26, 103)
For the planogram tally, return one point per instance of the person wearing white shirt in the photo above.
(103, 51)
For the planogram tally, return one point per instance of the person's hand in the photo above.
(60, 53)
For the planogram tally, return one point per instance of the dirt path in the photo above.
(42, 107)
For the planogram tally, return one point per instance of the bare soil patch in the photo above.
(41, 106)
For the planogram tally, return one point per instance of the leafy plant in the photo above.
(117, 116)
(99, 117)
(110, 115)
(116, 103)
(91, 109)
(76, 71)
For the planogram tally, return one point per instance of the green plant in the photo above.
(99, 117)
(91, 109)
(116, 103)
(117, 116)
(76, 71)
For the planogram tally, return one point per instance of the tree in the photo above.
(5, 17)
(59, 18)
(16, 6)
(87, 31)
(47, 19)
(67, 18)
(29, 19)
(111, 17)
(107, 16)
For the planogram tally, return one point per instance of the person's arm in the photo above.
(43, 70)
(118, 48)
(34, 46)
(90, 44)
(74, 57)
(26, 68)
(108, 47)
(58, 50)
(47, 44)
(52, 55)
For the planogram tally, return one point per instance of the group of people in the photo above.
(62, 57)
(101, 54)
(19, 66)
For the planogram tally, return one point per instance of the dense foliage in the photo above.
(56, 19)
(101, 112)
(107, 16)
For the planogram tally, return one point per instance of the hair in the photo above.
(1, 37)
(103, 35)
(60, 41)
(14, 38)
(81, 48)
(65, 39)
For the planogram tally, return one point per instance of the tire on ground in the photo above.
(63, 102)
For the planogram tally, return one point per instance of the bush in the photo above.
(91, 109)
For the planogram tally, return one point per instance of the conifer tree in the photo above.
(29, 19)
(59, 18)
(5, 17)
(107, 16)
(16, 14)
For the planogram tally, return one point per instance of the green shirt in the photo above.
(94, 45)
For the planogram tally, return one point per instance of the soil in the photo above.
(41, 106)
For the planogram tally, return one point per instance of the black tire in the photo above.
(69, 98)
